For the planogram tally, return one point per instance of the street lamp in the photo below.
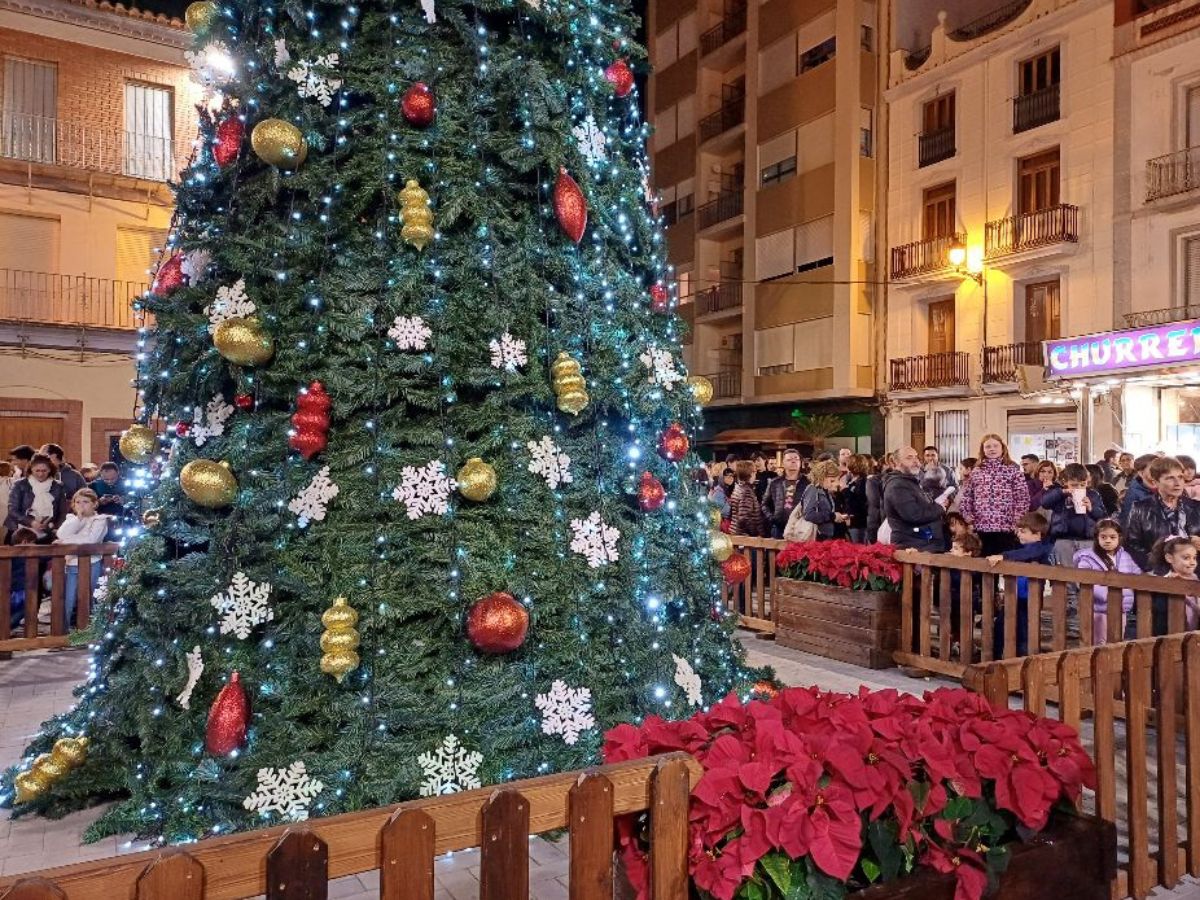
(964, 264)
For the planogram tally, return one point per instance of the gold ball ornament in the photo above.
(714, 516)
(30, 785)
(570, 387)
(152, 518)
(201, 15)
(208, 483)
(417, 216)
(71, 752)
(720, 546)
(702, 389)
(339, 640)
(243, 342)
(138, 443)
(476, 480)
(279, 143)
(50, 768)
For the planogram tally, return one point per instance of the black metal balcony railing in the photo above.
(989, 22)
(726, 383)
(934, 146)
(1037, 108)
(46, 298)
(724, 31)
(82, 145)
(933, 370)
(727, 295)
(730, 115)
(1000, 363)
(1151, 317)
(1056, 225)
(726, 206)
(924, 257)
(1175, 173)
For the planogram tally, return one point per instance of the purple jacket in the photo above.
(1088, 559)
(995, 496)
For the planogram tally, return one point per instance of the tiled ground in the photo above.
(36, 685)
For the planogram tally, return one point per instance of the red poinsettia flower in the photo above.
(967, 867)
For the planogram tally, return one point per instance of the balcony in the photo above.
(44, 298)
(997, 18)
(727, 384)
(933, 371)
(731, 114)
(1000, 363)
(724, 31)
(927, 257)
(1175, 173)
(720, 298)
(1029, 231)
(1151, 317)
(934, 146)
(727, 206)
(82, 145)
(1035, 109)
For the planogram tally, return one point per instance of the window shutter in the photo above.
(686, 122)
(685, 188)
(30, 110)
(775, 254)
(687, 34)
(866, 232)
(774, 347)
(666, 47)
(816, 143)
(951, 433)
(1191, 271)
(816, 32)
(814, 240)
(136, 253)
(776, 150)
(28, 243)
(1193, 117)
(777, 64)
(147, 146)
(814, 345)
(664, 129)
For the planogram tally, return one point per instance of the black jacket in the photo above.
(774, 504)
(1148, 524)
(71, 480)
(20, 501)
(874, 505)
(916, 521)
(855, 501)
(1065, 522)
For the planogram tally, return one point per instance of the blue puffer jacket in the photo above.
(1135, 493)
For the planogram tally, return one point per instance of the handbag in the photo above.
(798, 528)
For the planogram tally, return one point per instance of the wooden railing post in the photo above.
(669, 791)
(504, 847)
(298, 868)
(591, 812)
(175, 875)
(406, 851)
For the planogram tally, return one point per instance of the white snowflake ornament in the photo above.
(565, 711)
(195, 265)
(449, 769)
(548, 460)
(661, 365)
(686, 678)
(282, 56)
(428, 7)
(243, 606)
(410, 333)
(592, 142)
(212, 66)
(288, 792)
(310, 504)
(425, 490)
(195, 667)
(210, 422)
(311, 80)
(595, 540)
(508, 352)
(231, 303)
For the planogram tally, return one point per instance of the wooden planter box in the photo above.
(859, 627)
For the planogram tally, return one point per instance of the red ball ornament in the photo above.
(228, 145)
(497, 623)
(418, 106)
(620, 77)
(736, 569)
(244, 402)
(651, 494)
(182, 429)
(169, 276)
(228, 719)
(673, 443)
(570, 206)
(660, 298)
(310, 424)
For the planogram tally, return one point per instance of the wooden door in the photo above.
(916, 432)
(1039, 182)
(1193, 117)
(1043, 312)
(32, 430)
(939, 113)
(939, 214)
(941, 326)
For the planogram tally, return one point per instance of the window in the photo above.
(1037, 100)
(951, 434)
(137, 250)
(149, 150)
(867, 38)
(675, 123)
(1039, 178)
(822, 53)
(780, 171)
(938, 114)
(28, 243)
(30, 112)
(814, 244)
(1039, 73)
(866, 136)
(939, 218)
(1191, 271)
(676, 42)
(940, 331)
(1043, 312)
(1192, 127)
(776, 254)
(777, 64)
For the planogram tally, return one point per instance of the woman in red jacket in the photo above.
(995, 497)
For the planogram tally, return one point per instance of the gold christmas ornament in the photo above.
(70, 752)
(720, 546)
(702, 389)
(152, 518)
(138, 443)
(201, 15)
(476, 480)
(339, 640)
(569, 385)
(279, 143)
(49, 768)
(417, 216)
(30, 785)
(208, 483)
(243, 342)
(714, 516)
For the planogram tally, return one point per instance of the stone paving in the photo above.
(34, 686)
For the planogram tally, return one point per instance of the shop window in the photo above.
(822, 53)
(951, 434)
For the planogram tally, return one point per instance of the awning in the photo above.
(778, 436)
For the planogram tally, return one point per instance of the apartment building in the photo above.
(764, 153)
(96, 114)
(999, 221)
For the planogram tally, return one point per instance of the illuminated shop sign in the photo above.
(1117, 351)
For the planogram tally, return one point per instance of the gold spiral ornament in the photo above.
(138, 443)
(208, 483)
(279, 143)
(50, 768)
(570, 387)
(340, 639)
(417, 215)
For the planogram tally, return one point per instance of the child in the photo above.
(1074, 512)
(966, 543)
(1191, 484)
(1107, 555)
(16, 600)
(1035, 548)
(81, 526)
(957, 526)
(1179, 555)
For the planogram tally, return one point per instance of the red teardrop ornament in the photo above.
(570, 206)
(307, 420)
(651, 494)
(228, 145)
(308, 443)
(311, 421)
(673, 444)
(660, 298)
(169, 276)
(418, 106)
(228, 719)
(620, 77)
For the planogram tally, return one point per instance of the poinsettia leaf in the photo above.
(825, 887)
(958, 808)
(799, 889)
(779, 869)
(882, 837)
(870, 870)
(998, 859)
(751, 890)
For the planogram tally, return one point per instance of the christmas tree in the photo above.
(422, 515)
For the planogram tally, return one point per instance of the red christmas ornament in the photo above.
(651, 494)
(418, 105)
(244, 402)
(169, 276)
(660, 298)
(570, 206)
(736, 569)
(673, 443)
(497, 623)
(118, 563)
(182, 429)
(310, 424)
(620, 77)
(228, 719)
(228, 145)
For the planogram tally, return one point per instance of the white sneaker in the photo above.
(44, 612)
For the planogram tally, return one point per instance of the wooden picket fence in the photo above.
(37, 559)
(945, 649)
(1143, 694)
(752, 600)
(401, 841)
